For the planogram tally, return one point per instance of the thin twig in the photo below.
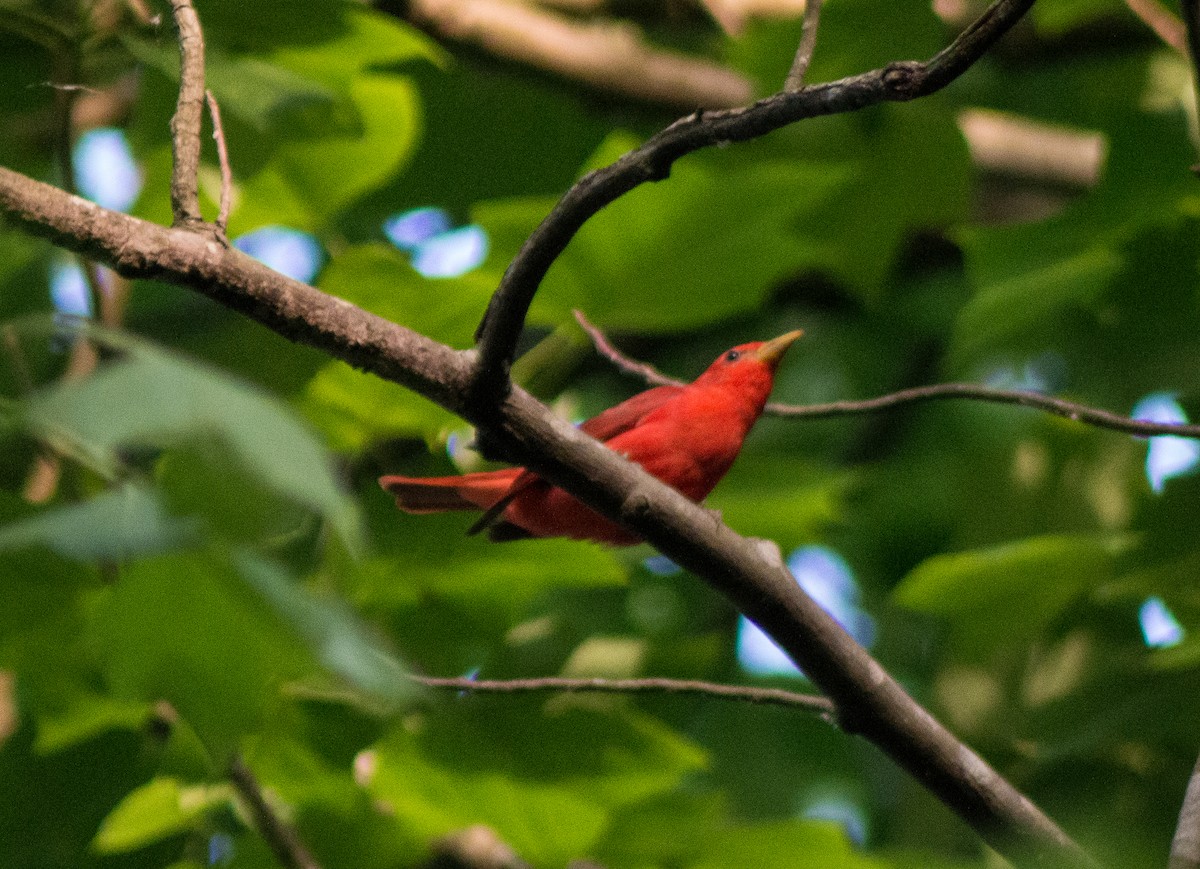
(604, 347)
(1185, 846)
(185, 124)
(1165, 25)
(808, 43)
(280, 836)
(504, 320)
(765, 696)
(1057, 406)
(223, 159)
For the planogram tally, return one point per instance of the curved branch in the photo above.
(762, 696)
(869, 701)
(505, 317)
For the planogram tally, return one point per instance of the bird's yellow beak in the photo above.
(772, 351)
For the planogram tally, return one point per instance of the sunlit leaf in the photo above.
(160, 808)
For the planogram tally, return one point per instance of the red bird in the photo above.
(687, 436)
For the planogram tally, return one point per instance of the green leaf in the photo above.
(160, 808)
(300, 171)
(378, 277)
(116, 525)
(153, 399)
(544, 781)
(334, 635)
(686, 239)
(1034, 302)
(783, 844)
(354, 410)
(1008, 592)
(185, 629)
(470, 569)
(263, 95)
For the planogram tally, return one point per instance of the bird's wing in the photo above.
(607, 424)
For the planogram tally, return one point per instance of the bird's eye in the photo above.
(733, 356)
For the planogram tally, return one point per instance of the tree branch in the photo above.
(611, 57)
(763, 696)
(1185, 847)
(869, 701)
(189, 111)
(505, 317)
(280, 836)
(214, 110)
(1158, 18)
(1057, 406)
(808, 44)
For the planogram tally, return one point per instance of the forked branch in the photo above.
(504, 320)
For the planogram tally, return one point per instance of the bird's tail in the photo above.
(477, 491)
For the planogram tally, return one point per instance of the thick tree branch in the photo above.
(505, 318)
(868, 700)
(1057, 406)
(745, 693)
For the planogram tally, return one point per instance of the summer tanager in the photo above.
(687, 436)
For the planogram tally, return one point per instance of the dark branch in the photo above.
(505, 318)
(1057, 406)
(869, 701)
(185, 125)
(763, 696)
(281, 837)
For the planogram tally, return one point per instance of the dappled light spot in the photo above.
(1167, 456)
(289, 251)
(408, 230)
(1160, 628)
(437, 250)
(827, 579)
(105, 171)
(221, 849)
(660, 565)
(759, 655)
(840, 809)
(452, 253)
(830, 582)
(69, 289)
(1044, 374)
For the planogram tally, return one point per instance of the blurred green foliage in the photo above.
(217, 571)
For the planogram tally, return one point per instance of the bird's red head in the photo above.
(754, 361)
